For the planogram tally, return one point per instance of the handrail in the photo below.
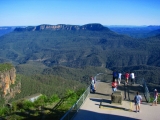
(146, 91)
(74, 109)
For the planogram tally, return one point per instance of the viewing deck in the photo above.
(97, 106)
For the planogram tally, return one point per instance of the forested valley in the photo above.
(58, 60)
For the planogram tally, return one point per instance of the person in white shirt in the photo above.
(92, 84)
(119, 78)
(132, 78)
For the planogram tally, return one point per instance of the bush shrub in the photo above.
(152, 98)
(27, 104)
(53, 98)
(41, 101)
(4, 111)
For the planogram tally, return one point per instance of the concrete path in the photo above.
(91, 109)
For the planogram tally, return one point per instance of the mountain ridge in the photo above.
(92, 26)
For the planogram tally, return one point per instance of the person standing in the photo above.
(137, 100)
(132, 78)
(114, 85)
(119, 78)
(126, 77)
(114, 75)
(155, 97)
(92, 84)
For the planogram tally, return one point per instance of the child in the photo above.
(137, 100)
(155, 97)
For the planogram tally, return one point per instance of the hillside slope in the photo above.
(78, 46)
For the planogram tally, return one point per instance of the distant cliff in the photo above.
(5, 30)
(8, 84)
(94, 27)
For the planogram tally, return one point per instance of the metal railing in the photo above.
(146, 91)
(142, 82)
(74, 109)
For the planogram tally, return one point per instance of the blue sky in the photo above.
(79, 12)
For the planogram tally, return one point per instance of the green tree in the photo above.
(41, 101)
(53, 98)
(27, 104)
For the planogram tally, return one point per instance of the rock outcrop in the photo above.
(8, 84)
(94, 27)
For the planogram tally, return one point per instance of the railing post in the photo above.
(146, 91)
(83, 97)
(76, 107)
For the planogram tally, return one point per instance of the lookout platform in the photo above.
(97, 106)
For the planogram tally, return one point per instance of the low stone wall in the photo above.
(116, 97)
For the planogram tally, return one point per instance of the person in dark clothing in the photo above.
(115, 75)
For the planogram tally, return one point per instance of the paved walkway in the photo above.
(91, 109)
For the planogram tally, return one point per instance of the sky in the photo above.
(79, 12)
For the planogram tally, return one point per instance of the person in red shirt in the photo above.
(114, 85)
(126, 77)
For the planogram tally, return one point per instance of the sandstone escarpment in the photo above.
(8, 84)
(92, 27)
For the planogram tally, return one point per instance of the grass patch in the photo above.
(152, 98)
(5, 67)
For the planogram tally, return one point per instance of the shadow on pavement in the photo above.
(90, 115)
(102, 94)
(96, 100)
(106, 101)
(114, 107)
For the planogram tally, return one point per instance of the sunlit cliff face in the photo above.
(7, 78)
